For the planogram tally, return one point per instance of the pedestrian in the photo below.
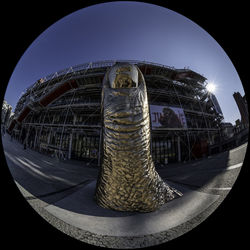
(23, 138)
(25, 143)
(11, 135)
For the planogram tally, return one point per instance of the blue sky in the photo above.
(128, 30)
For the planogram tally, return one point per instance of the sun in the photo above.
(211, 87)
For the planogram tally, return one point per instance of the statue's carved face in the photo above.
(123, 76)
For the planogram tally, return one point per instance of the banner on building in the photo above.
(167, 117)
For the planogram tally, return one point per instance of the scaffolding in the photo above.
(61, 113)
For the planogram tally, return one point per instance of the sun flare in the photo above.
(211, 87)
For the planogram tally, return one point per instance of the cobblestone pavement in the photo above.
(44, 180)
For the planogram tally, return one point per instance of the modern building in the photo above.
(228, 130)
(6, 113)
(242, 106)
(61, 113)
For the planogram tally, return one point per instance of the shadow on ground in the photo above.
(45, 177)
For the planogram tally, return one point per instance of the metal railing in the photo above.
(105, 63)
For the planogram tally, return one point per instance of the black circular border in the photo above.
(23, 22)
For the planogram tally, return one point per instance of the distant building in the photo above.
(242, 106)
(6, 113)
(227, 130)
(215, 103)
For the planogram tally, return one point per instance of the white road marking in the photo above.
(221, 188)
(234, 166)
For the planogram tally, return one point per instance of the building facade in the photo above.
(228, 130)
(61, 113)
(242, 106)
(6, 114)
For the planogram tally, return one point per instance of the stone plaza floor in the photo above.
(62, 193)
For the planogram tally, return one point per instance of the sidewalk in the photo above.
(40, 174)
(62, 193)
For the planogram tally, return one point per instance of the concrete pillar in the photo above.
(39, 141)
(35, 138)
(48, 139)
(179, 148)
(74, 119)
(70, 144)
(189, 148)
(27, 136)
